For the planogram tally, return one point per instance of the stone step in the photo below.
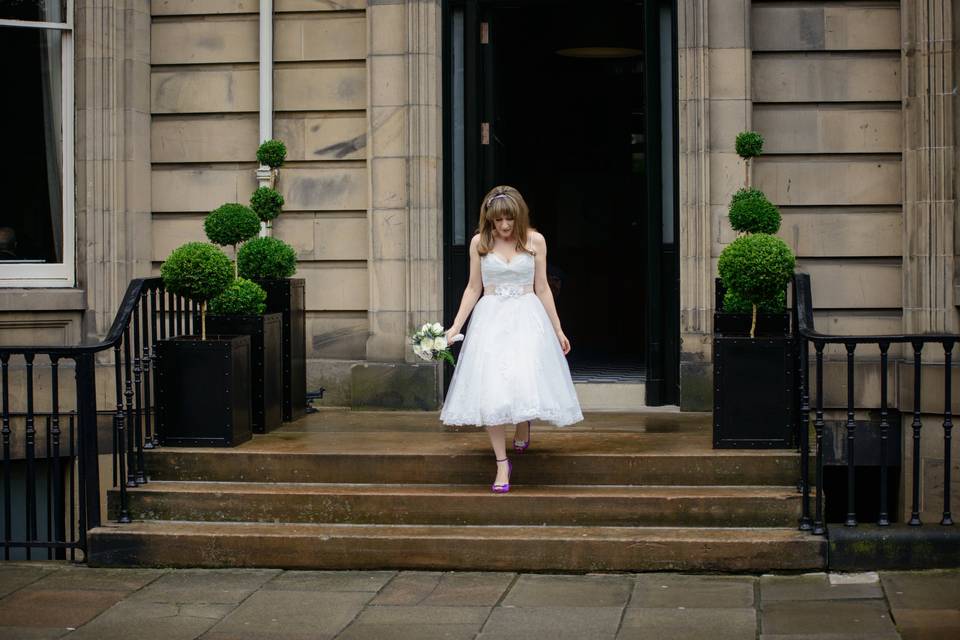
(695, 468)
(436, 547)
(583, 505)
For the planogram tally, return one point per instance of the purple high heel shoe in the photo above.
(520, 445)
(503, 488)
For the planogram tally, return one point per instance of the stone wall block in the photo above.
(726, 176)
(336, 336)
(822, 129)
(388, 26)
(301, 88)
(821, 181)
(819, 26)
(204, 91)
(728, 24)
(389, 182)
(727, 119)
(389, 126)
(334, 137)
(219, 7)
(847, 284)
(200, 188)
(339, 286)
(825, 77)
(826, 233)
(388, 76)
(729, 73)
(324, 188)
(388, 285)
(214, 138)
(198, 41)
(389, 234)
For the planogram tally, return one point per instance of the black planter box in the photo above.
(287, 298)
(203, 391)
(266, 366)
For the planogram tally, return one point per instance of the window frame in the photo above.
(61, 274)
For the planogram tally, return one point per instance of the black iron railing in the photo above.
(808, 335)
(63, 454)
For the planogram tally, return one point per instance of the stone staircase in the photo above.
(620, 492)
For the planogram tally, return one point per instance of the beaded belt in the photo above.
(510, 290)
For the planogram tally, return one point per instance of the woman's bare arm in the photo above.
(542, 287)
(471, 293)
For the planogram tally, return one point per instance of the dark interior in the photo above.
(569, 134)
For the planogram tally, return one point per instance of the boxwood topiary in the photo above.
(757, 267)
(231, 224)
(242, 298)
(751, 212)
(267, 258)
(733, 302)
(272, 153)
(266, 203)
(749, 144)
(199, 271)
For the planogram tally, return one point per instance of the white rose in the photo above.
(427, 344)
(440, 343)
(425, 328)
(437, 328)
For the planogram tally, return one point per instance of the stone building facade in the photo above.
(856, 99)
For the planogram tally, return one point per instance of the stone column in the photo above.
(715, 105)
(112, 83)
(405, 165)
(930, 278)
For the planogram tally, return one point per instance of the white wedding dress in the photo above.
(511, 367)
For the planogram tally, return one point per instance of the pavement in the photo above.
(60, 600)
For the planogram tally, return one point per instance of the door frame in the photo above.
(662, 306)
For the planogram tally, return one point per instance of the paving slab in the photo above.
(206, 586)
(551, 623)
(50, 608)
(409, 632)
(890, 635)
(922, 589)
(17, 576)
(815, 586)
(470, 589)
(371, 581)
(928, 624)
(712, 592)
(152, 621)
(88, 579)
(689, 624)
(289, 615)
(423, 614)
(31, 633)
(408, 587)
(826, 616)
(532, 590)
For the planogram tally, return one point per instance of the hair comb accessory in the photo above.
(494, 197)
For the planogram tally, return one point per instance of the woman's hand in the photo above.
(564, 343)
(452, 331)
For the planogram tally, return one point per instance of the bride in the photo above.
(512, 367)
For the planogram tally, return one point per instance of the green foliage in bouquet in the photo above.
(272, 153)
(267, 258)
(199, 271)
(751, 212)
(231, 224)
(749, 144)
(242, 298)
(267, 203)
(757, 268)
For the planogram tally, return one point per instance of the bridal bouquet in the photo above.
(429, 343)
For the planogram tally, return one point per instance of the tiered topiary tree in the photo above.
(230, 224)
(199, 271)
(267, 203)
(756, 267)
(272, 153)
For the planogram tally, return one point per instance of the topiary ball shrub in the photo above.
(751, 212)
(734, 303)
(197, 270)
(267, 203)
(757, 267)
(272, 153)
(242, 298)
(231, 224)
(267, 258)
(749, 144)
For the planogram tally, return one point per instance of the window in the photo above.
(36, 126)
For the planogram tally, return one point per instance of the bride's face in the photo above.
(504, 227)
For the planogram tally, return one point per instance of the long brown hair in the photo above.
(503, 202)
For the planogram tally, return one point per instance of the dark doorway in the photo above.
(561, 101)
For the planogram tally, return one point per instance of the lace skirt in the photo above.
(510, 368)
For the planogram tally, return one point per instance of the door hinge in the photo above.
(484, 133)
(484, 33)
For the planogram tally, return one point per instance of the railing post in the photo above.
(884, 519)
(818, 425)
(88, 450)
(30, 441)
(7, 470)
(851, 520)
(917, 424)
(947, 519)
(58, 515)
(119, 439)
(806, 523)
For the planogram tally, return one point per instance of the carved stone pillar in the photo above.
(930, 279)
(112, 84)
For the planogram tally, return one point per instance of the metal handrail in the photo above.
(807, 334)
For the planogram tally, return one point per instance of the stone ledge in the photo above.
(395, 385)
(898, 546)
(43, 300)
